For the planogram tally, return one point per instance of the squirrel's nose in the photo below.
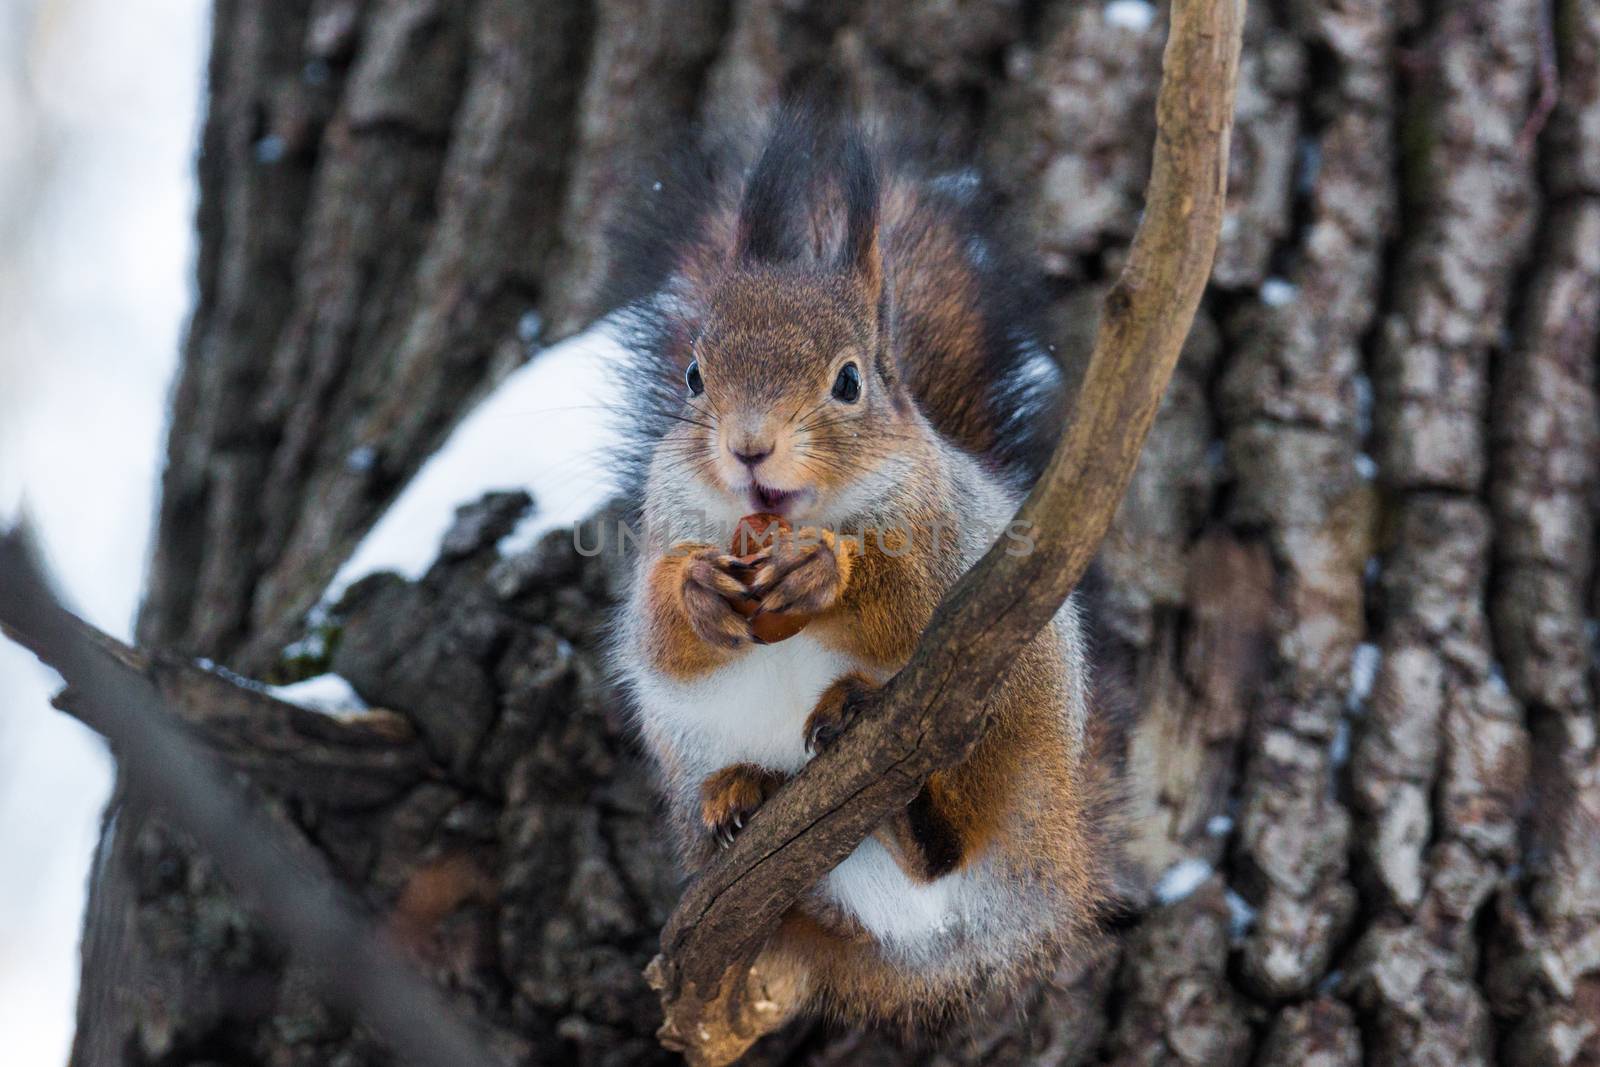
(753, 456)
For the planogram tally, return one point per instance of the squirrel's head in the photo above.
(791, 399)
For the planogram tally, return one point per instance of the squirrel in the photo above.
(823, 332)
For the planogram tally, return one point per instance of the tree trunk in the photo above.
(1352, 587)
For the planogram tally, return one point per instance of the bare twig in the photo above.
(932, 713)
(316, 918)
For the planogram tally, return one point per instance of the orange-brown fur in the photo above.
(676, 644)
(850, 980)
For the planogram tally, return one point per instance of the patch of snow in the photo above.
(529, 326)
(1278, 292)
(361, 459)
(1366, 466)
(1219, 826)
(314, 645)
(231, 676)
(1308, 165)
(1241, 915)
(1339, 747)
(1362, 385)
(1182, 879)
(548, 429)
(1136, 15)
(270, 149)
(1497, 677)
(1364, 663)
(327, 693)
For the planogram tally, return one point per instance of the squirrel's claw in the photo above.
(731, 796)
(835, 711)
(820, 735)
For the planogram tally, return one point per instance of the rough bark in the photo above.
(1378, 456)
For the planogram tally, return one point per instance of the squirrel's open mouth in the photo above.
(776, 501)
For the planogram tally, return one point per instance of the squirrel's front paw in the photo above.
(732, 795)
(803, 573)
(710, 586)
(835, 710)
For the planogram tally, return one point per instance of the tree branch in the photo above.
(932, 713)
(111, 689)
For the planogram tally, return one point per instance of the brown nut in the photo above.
(771, 628)
(749, 537)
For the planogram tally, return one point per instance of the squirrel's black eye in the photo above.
(692, 379)
(847, 386)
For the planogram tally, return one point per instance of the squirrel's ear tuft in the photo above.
(812, 200)
(812, 196)
(859, 253)
(772, 213)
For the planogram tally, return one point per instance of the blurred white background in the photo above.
(98, 122)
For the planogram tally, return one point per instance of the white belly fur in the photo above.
(754, 711)
(751, 711)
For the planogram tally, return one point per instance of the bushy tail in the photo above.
(970, 321)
